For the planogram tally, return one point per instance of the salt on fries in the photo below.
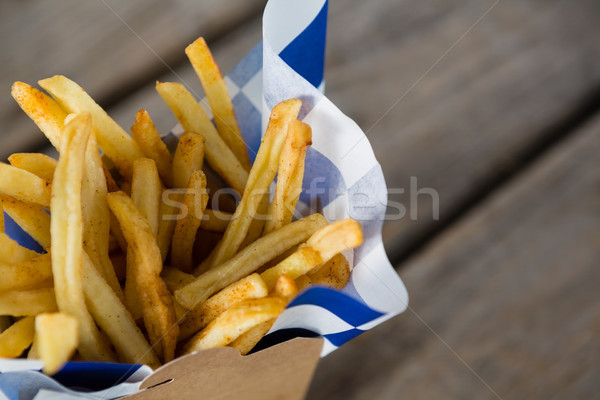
(139, 267)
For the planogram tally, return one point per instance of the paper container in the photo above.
(342, 179)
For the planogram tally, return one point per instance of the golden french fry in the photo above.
(18, 337)
(250, 287)
(38, 164)
(285, 288)
(216, 91)
(12, 252)
(96, 216)
(33, 353)
(148, 139)
(236, 320)
(334, 273)
(190, 217)
(56, 338)
(113, 140)
(114, 319)
(255, 230)
(189, 157)
(334, 238)
(35, 273)
(24, 185)
(19, 303)
(175, 278)
(4, 323)
(1, 216)
(157, 305)
(215, 220)
(261, 175)
(45, 112)
(32, 218)
(146, 191)
(194, 119)
(303, 281)
(248, 260)
(289, 175)
(67, 236)
(248, 340)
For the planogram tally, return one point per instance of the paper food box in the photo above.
(342, 178)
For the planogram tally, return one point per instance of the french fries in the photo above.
(67, 237)
(32, 218)
(148, 139)
(103, 233)
(236, 320)
(38, 164)
(261, 175)
(56, 337)
(157, 306)
(17, 338)
(113, 140)
(24, 185)
(216, 91)
(248, 260)
(193, 119)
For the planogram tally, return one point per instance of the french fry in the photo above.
(261, 175)
(32, 218)
(193, 119)
(285, 289)
(114, 319)
(175, 278)
(190, 217)
(4, 323)
(113, 140)
(289, 175)
(38, 164)
(334, 238)
(19, 303)
(248, 260)
(257, 225)
(45, 112)
(303, 281)
(18, 337)
(189, 157)
(1, 216)
(56, 338)
(32, 274)
(250, 287)
(157, 305)
(148, 139)
(12, 252)
(236, 320)
(96, 216)
(24, 185)
(111, 185)
(33, 353)
(216, 91)
(146, 190)
(67, 237)
(335, 273)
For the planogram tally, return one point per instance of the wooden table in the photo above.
(493, 104)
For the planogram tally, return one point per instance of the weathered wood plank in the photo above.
(491, 100)
(87, 42)
(512, 289)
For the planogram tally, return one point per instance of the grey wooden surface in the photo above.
(485, 100)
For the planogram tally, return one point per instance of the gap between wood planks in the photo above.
(583, 111)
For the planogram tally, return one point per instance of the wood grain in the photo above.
(109, 53)
(465, 118)
(512, 290)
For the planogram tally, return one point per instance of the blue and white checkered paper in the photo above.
(342, 177)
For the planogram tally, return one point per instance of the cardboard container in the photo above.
(342, 179)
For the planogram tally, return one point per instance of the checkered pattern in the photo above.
(342, 178)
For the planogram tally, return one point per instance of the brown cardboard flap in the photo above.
(283, 371)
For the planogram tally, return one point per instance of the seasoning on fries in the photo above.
(139, 267)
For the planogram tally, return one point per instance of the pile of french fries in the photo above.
(143, 263)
